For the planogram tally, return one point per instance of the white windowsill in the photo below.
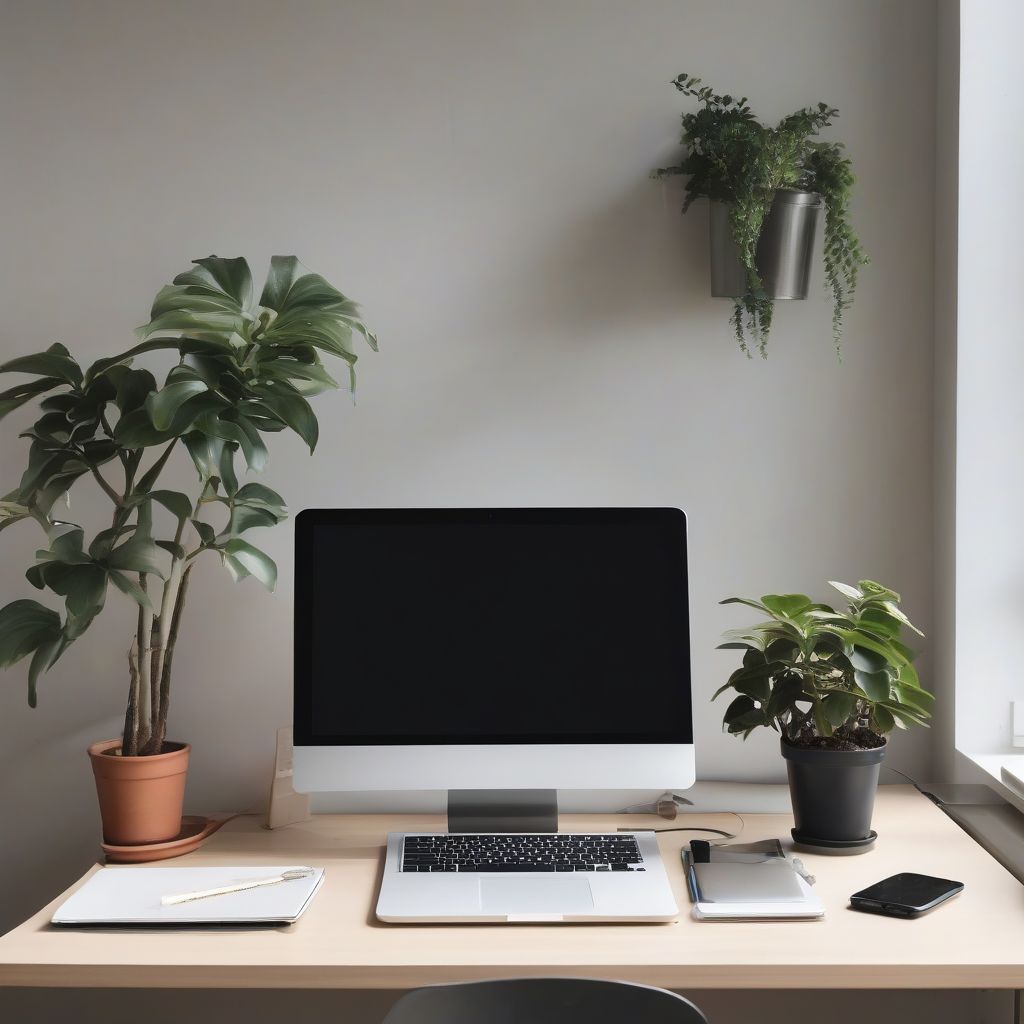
(1006, 772)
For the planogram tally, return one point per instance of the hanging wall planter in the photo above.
(768, 187)
(785, 247)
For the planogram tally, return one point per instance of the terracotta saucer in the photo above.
(194, 830)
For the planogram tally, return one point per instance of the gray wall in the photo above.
(475, 173)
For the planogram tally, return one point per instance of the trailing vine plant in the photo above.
(733, 158)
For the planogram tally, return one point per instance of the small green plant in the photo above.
(822, 677)
(734, 158)
(241, 370)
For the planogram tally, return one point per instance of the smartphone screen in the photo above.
(913, 891)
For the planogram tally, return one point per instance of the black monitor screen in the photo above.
(491, 626)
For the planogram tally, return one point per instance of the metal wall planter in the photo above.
(785, 248)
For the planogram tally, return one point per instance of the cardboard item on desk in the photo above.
(131, 896)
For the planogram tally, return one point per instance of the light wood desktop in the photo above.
(975, 941)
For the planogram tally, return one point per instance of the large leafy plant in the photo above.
(825, 677)
(241, 370)
(734, 158)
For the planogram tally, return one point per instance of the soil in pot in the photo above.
(842, 739)
(140, 797)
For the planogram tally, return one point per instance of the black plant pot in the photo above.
(833, 794)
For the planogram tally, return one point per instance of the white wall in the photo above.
(476, 174)
(942, 647)
(990, 363)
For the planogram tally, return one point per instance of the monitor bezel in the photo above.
(673, 732)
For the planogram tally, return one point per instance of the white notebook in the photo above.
(132, 895)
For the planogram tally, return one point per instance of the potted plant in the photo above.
(241, 370)
(766, 186)
(834, 684)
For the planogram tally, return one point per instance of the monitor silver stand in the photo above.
(502, 810)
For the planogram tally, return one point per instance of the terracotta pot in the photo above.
(140, 797)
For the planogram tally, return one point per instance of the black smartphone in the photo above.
(905, 895)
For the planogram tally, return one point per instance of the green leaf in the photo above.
(206, 453)
(254, 561)
(897, 613)
(868, 658)
(905, 716)
(846, 590)
(258, 494)
(821, 722)
(133, 388)
(242, 433)
(788, 689)
(163, 405)
(178, 504)
(875, 685)
(878, 621)
(881, 720)
(749, 603)
(106, 539)
(176, 550)
(293, 410)
(46, 364)
(786, 605)
(14, 398)
(839, 706)
(782, 650)
(228, 478)
(136, 429)
(85, 589)
(874, 591)
(25, 626)
(45, 655)
(128, 586)
(66, 544)
(138, 554)
(102, 365)
(913, 696)
(207, 324)
(742, 705)
(307, 378)
(245, 517)
(219, 274)
(280, 278)
(754, 659)
(206, 532)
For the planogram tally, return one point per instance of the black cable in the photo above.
(692, 828)
(917, 785)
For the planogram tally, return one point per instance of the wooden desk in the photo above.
(976, 941)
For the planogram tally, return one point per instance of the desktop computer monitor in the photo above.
(492, 649)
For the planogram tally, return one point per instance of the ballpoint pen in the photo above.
(250, 883)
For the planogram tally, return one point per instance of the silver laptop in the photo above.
(511, 877)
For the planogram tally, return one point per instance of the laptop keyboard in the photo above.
(518, 853)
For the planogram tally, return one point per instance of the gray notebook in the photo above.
(772, 881)
(132, 895)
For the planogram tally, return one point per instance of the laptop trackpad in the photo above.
(536, 894)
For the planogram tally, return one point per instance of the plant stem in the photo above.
(111, 493)
(144, 640)
(130, 739)
(162, 626)
(172, 639)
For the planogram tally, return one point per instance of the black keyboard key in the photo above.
(520, 853)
